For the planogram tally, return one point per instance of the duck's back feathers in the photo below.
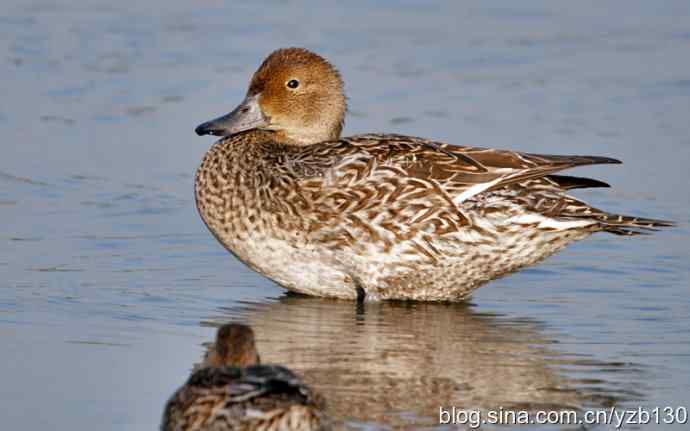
(462, 172)
(268, 397)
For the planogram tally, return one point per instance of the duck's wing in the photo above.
(280, 381)
(224, 394)
(567, 182)
(403, 191)
(462, 172)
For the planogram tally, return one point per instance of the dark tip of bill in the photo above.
(203, 129)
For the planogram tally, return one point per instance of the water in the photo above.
(111, 283)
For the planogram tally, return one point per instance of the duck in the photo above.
(379, 216)
(231, 391)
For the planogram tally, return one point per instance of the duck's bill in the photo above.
(246, 116)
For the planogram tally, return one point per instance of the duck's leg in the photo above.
(361, 294)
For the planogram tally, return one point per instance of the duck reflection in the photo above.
(398, 363)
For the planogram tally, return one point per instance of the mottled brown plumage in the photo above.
(394, 217)
(231, 391)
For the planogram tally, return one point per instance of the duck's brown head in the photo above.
(295, 93)
(234, 347)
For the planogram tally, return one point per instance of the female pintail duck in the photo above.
(231, 391)
(379, 216)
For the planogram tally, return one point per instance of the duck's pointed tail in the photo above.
(617, 224)
(629, 226)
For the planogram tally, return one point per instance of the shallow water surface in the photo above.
(111, 284)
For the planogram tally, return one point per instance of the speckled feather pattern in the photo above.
(400, 217)
(256, 398)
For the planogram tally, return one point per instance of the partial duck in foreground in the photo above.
(379, 216)
(231, 391)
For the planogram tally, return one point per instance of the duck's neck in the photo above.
(322, 132)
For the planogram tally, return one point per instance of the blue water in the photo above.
(110, 283)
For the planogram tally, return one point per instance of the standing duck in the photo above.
(379, 216)
(231, 391)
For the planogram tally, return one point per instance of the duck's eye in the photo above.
(293, 83)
